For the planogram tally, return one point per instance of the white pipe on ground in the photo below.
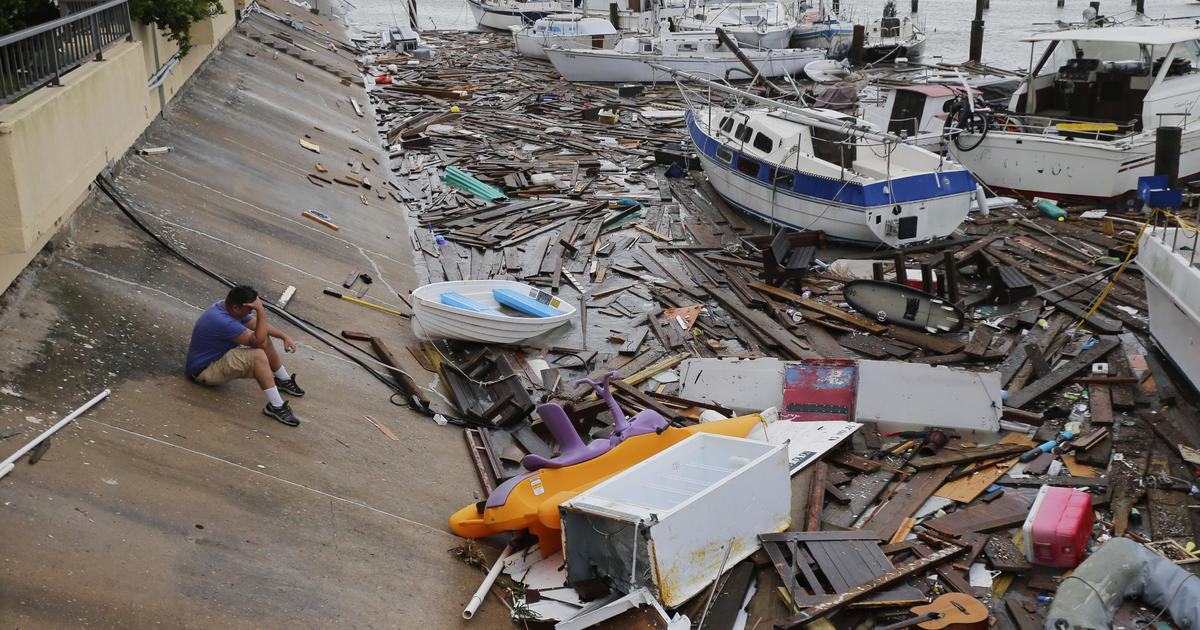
(477, 598)
(6, 466)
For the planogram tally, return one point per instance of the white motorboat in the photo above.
(757, 24)
(819, 169)
(473, 310)
(1086, 129)
(502, 14)
(696, 52)
(1167, 258)
(917, 111)
(891, 37)
(569, 30)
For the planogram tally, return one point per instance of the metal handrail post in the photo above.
(128, 20)
(54, 56)
(96, 37)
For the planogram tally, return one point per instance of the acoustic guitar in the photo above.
(952, 611)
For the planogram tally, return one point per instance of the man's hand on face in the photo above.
(257, 305)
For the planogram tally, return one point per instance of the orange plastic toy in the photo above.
(530, 501)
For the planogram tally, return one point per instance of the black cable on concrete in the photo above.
(109, 190)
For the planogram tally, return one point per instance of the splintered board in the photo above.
(965, 489)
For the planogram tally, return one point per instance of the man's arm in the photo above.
(288, 344)
(257, 334)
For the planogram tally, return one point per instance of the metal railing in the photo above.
(40, 55)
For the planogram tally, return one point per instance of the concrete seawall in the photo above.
(56, 139)
(174, 505)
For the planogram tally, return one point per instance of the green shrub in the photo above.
(18, 15)
(174, 16)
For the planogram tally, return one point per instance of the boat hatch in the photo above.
(834, 147)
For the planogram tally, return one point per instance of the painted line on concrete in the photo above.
(279, 479)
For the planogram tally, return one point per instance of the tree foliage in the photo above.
(174, 16)
(18, 15)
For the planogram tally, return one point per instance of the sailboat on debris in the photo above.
(820, 169)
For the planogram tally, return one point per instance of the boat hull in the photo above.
(501, 19)
(534, 46)
(831, 37)
(603, 66)
(431, 318)
(1173, 297)
(1055, 167)
(896, 212)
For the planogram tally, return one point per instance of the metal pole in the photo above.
(96, 37)
(412, 14)
(7, 465)
(162, 97)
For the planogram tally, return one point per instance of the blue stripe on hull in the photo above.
(857, 196)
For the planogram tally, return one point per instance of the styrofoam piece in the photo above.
(980, 576)
(806, 441)
(902, 396)
(666, 523)
(547, 573)
(551, 609)
(614, 607)
(743, 385)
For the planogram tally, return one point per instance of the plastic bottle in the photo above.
(1051, 209)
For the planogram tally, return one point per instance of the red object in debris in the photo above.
(820, 389)
(1058, 527)
(383, 79)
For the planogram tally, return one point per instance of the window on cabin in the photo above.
(748, 166)
(647, 48)
(744, 133)
(784, 179)
(726, 124)
(740, 128)
(724, 154)
(763, 143)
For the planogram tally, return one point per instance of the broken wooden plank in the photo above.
(1043, 385)
(1004, 512)
(952, 456)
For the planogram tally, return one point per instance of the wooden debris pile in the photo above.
(603, 212)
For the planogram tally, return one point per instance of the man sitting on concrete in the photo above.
(232, 339)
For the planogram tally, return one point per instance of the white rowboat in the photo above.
(432, 318)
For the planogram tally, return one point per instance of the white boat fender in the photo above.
(979, 202)
(1122, 568)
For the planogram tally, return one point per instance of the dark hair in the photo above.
(241, 294)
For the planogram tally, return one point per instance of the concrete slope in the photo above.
(174, 505)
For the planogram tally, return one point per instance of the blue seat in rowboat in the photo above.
(524, 303)
(458, 300)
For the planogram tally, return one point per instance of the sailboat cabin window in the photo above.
(724, 154)
(647, 47)
(784, 179)
(763, 143)
(743, 133)
(726, 124)
(687, 47)
(748, 166)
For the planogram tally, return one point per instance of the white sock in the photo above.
(282, 373)
(273, 396)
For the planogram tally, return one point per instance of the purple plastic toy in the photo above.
(572, 450)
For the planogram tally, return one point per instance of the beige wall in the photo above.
(56, 140)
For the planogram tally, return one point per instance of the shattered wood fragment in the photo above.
(1058, 376)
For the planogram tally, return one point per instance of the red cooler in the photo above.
(1058, 527)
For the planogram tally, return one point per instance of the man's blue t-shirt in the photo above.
(213, 336)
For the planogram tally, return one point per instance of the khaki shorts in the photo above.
(237, 363)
